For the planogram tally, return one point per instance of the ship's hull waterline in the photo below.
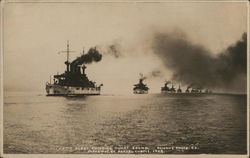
(139, 91)
(57, 90)
(184, 93)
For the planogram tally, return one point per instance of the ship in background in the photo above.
(190, 89)
(141, 88)
(74, 81)
(196, 89)
(167, 89)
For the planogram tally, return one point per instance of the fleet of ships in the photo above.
(142, 88)
(74, 82)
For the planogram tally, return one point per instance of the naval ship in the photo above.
(194, 89)
(141, 88)
(167, 89)
(74, 81)
(190, 89)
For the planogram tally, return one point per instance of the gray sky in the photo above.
(35, 32)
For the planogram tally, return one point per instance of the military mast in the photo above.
(67, 62)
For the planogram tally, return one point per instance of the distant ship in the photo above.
(179, 89)
(167, 89)
(190, 89)
(74, 81)
(194, 89)
(141, 88)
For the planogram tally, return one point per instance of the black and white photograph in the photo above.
(125, 78)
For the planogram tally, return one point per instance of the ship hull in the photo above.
(168, 91)
(188, 93)
(139, 91)
(57, 90)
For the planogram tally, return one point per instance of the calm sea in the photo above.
(137, 124)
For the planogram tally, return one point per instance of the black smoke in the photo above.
(93, 55)
(193, 64)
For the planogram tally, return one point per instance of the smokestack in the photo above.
(83, 69)
(93, 55)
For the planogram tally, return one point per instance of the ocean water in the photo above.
(125, 124)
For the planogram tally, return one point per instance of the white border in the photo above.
(248, 71)
(118, 155)
(125, 1)
(1, 76)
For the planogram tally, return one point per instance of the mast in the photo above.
(67, 50)
(67, 62)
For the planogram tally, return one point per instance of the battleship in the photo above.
(189, 89)
(167, 89)
(195, 89)
(140, 88)
(74, 81)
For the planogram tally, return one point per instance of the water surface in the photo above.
(214, 124)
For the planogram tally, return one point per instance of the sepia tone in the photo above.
(125, 78)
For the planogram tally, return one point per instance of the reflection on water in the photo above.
(40, 124)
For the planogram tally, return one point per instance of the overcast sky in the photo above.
(35, 32)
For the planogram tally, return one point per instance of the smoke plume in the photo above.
(154, 74)
(193, 64)
(93, 55)
(114, 50)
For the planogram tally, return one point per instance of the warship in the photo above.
(187, 90)
(179, 89)
(74, 81)
(167, 89)
(190, 89)
(141, 88)
(194, 89)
